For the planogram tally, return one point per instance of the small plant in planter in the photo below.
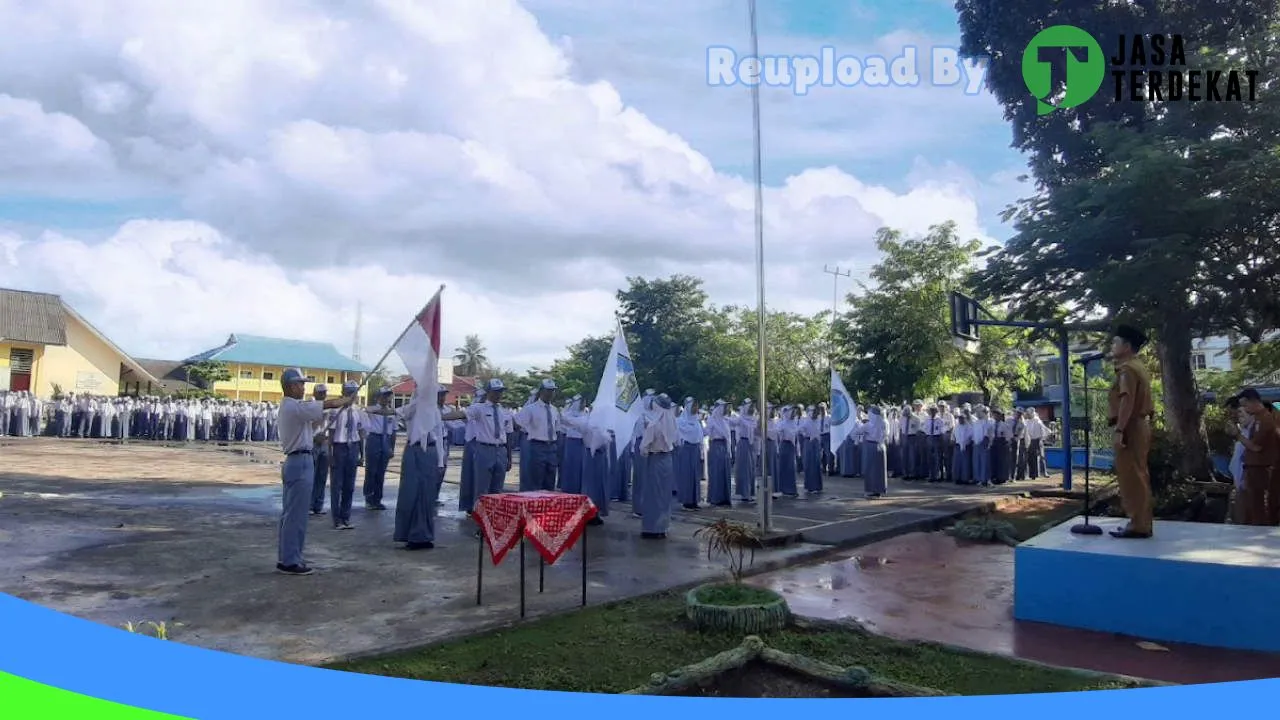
(734, 607)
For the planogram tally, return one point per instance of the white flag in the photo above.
(419, 349)
(844, 412)
(617, 404)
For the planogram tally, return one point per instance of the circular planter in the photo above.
(714, 608)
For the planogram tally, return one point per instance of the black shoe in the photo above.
(653, 536)
(692, 506)
(419, 546)
(293, 569)
(595, 521)
(317, 513)
(375, 506)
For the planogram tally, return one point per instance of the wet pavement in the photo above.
(186, 535)
(932, 587)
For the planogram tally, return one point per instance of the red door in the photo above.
(21, 365)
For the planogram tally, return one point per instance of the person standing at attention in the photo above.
(542, 421)
(380, 423)
(657, 444)
(298, 421)
(1129, 413)
(346, 444)
(1261, 453)
(421, 466)
(491, 456)
(319, 451)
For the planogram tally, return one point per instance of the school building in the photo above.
(255, 364)
(46, 347)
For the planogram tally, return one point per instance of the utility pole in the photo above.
(355, 344)
(836, 273)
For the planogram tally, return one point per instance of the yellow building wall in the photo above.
(84, 365)
(248, 382)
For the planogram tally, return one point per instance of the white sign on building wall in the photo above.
(88, 381)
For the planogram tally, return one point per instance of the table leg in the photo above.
(522, 577)
(542, 574)
(480, 569)
(584, 566)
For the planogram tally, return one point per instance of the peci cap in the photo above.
(350, 388)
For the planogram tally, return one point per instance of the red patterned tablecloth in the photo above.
(552, 521)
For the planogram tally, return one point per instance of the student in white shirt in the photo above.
(298, 421)
(346, 448)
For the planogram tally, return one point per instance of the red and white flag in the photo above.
(419, 350)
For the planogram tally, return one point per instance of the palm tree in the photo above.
(470, 358)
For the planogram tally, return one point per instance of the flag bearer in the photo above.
(346, 444)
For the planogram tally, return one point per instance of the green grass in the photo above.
(735, 595)
(616, 647)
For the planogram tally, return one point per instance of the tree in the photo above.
(1162, 213)
(208, 372)
(668, 323)
(470, 359)
(797, 362)
(895, 341)
(579, 374)
(378, 380)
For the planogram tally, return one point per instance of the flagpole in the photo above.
(404, 332)
(766, 493)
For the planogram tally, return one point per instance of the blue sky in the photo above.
(655, 56)
(356, 153)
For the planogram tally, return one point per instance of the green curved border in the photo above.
(22, 699)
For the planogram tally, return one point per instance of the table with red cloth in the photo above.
(552, 521)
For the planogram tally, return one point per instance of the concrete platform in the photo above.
(1197, 583)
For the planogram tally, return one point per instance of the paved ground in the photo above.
(186, 535)
(929, 586)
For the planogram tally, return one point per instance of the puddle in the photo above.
(263, 492)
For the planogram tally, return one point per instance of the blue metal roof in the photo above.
(256, 350)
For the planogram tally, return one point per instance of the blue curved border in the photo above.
(102, 662)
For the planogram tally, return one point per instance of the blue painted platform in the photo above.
(1102, 460)
(1198, 583)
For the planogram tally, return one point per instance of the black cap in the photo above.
(1131, 335)
(1250, 394)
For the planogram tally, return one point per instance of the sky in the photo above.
(179, 172)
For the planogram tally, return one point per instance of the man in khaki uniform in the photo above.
(1130, 409)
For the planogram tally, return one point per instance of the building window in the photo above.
(1199, 361)
(268, 375)
(311, 378)
(330, 380)
(246, 374)
(1051, 374)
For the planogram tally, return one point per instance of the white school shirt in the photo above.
(346, 424)
(1035, 429)
(298, 420)
(377, 424)
(534, 418)
(933, 427)
(962, 434)
(747, 426)
(481, 418)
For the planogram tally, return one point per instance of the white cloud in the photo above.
(371, 151)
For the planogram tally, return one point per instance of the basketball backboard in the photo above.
(964, 316)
